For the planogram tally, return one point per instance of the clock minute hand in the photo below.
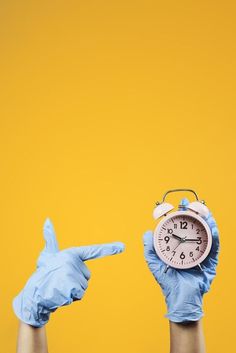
(191, 239)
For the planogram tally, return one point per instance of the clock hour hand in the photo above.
(177, 237)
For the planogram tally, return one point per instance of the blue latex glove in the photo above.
(184, 289)
(61, 278)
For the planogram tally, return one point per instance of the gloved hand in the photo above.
(184, 289)
(61, 278)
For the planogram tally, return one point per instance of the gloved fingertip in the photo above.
(214, 231)
(148, 237)
(211, 221)
(48, 224)
(209, 216)
(50, 237)
(118, 247)
(184, 202)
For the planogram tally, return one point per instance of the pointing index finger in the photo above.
(90, 252)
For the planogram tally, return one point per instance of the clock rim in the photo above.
(193, 215)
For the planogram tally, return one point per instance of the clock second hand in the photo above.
(182, 240)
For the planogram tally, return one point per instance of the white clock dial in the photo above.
(182, 239)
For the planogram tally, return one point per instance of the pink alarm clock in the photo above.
(182, 239)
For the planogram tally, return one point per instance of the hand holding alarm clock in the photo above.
(183, 238)
(182, 254)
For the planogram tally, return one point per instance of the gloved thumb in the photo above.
(96, 251)
(151, 257)
(51, 245)
(149, 252)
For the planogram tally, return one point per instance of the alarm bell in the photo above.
(162, 209)
(199, 208)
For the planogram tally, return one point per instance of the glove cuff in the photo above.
(184, 317)
(184, 307)
(24, 309)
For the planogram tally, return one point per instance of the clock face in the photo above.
(182, 239)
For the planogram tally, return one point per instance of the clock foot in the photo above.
(166, 269)
(200, 267)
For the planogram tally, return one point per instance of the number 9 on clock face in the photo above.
(182, 239)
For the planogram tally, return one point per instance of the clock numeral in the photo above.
(170, 231)
(199, 240)
(175, 225)
(197, 248)
(198, 231)
(182, 256)
(168, 248)
(166, 239)
(173, 252)
(183, 225)
(191, 254)
(192, 226)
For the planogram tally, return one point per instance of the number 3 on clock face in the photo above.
(182, 239)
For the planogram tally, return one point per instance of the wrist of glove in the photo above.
(184, 304)
(61, 278)
(30, 310)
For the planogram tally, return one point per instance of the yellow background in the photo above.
(104, 106)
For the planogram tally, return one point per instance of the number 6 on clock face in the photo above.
(182, 239)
